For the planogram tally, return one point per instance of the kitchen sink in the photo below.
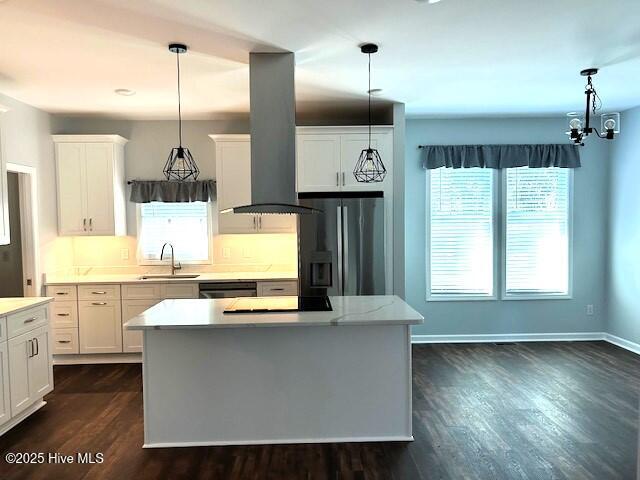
(178, 275)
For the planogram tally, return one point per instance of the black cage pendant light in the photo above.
(180, 165)
(369, 168)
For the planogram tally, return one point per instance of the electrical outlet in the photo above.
(247, 253)
(589, 309)
(124, 254)
(226, 252)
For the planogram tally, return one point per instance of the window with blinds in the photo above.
(184, 225)
(537, 231)
(461, 232)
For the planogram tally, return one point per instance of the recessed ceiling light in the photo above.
(572, 114)
(428, 1)
(375, 92)
(125, 92)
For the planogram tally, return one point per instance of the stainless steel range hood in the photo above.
(273, 136)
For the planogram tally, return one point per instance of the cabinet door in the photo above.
(40, 366)
(70, 173)
(99, 181)
(318, 163)
(233, 171)
(132, 339)
(231, 223)
(20, 349)
(100, 326)
(5, 400)
(351, 146)
(277, 223)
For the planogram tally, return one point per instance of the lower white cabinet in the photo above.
(30, 368)
(132, 340)
(5, 399)
(277, 289)
(100, 326)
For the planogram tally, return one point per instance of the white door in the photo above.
(99, 188)
(318, 163)
(233, 169)
(231, 223)
(5, 399)
(40, 368)
(132, 340)
(20, 349)
(277, 223)
(100, 326)
(72, 218)
(351, 147)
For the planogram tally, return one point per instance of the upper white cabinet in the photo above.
(91, 186)
(327, 156)
(233, 181)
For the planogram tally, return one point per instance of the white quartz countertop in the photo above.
(17, 304)
(202, 277)
(204, 313)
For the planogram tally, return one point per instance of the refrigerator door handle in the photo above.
(339, 247)
(345, 248)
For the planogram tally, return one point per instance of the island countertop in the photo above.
(205, 313)
(12, 305)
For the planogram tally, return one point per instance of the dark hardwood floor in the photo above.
(534, 411)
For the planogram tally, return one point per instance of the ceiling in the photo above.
(453, 58)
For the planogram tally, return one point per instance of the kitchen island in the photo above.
(212, 378)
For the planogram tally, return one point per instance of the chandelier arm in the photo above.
(369, 92)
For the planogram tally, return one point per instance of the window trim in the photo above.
(149, 262)
(495, 212)
(503, 256)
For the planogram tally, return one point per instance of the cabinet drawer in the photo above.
(65, 341)
(147, 291)
(98, 292)
(64, 314)
(62, 292)
(270, 289)
(22, 322)
(3, 329)
(180, 290)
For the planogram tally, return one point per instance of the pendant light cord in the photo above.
(369, 92)
(179, 105)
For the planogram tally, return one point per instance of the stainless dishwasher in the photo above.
(228, 289)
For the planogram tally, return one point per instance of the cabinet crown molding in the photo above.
(89, 139)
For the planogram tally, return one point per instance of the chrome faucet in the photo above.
(174, 267)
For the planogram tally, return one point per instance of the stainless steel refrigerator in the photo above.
(342, 248)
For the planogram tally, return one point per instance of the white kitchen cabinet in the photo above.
(90, 184)
(100, 326)
(318, 163)
(64, 314)
(132, 340)
(233, 181)
(5, 398)
(327, 156)
(277, 289)
(65, 341)
(30, 368)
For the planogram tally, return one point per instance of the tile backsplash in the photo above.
(229, 251)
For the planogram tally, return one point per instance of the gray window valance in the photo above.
(145, 191)
(500, 156)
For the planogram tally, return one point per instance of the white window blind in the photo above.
(185, 225)
(537, 231)
(461, 232)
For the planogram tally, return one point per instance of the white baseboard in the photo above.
(93, 358)
(510, 337)
(279, 441)
(622, 343)
(530, 337)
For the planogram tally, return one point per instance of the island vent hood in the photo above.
(273, 136)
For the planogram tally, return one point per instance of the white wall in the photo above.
(26, 140)
(624, 231)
